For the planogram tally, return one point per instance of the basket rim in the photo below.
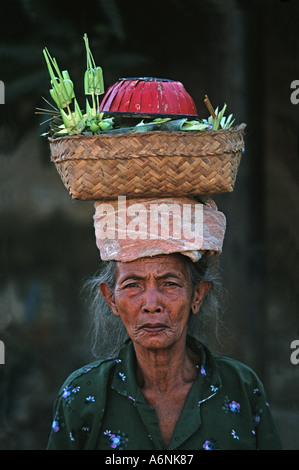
(235, 129)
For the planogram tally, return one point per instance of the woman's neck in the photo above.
(165, 369)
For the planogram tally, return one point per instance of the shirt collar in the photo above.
(124, 378)
(204, 388)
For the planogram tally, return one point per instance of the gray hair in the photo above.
(108, 331)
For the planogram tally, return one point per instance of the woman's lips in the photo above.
(153, 327)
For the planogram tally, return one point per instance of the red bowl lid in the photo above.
(148, 97)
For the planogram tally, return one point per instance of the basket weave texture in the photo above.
(149, 164)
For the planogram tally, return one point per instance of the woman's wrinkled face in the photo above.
(154, 297)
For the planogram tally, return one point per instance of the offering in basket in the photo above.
(142, 138)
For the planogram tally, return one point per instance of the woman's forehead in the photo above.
(158, 265)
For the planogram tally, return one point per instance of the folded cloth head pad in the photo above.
(128, 229)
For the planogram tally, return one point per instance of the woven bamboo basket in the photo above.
(149, 164)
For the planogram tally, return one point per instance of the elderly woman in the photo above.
(159, 387)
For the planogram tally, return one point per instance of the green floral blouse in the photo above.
(100, 406)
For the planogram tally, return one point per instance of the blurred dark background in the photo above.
(242, 52)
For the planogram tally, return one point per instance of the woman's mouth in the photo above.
(153, 327)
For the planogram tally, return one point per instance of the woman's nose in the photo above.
(151, 301)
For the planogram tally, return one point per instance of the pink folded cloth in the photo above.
(128, 229)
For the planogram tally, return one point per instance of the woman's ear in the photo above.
(200, 291)
(108, 295)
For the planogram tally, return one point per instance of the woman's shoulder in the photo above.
(92, 374)
(234, 369)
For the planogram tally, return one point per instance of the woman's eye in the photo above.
(131, 284)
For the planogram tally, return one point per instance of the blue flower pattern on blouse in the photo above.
(55, 425)
(67, 393)
(234, 407)
(208, 445)
(116, 439)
